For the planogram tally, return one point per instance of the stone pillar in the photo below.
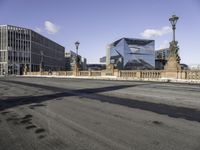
(110, 69)
(116, 73)
(76, 70)
(172, 67)
(138, 74)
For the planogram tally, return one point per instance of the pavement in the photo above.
(171, 80)
(82, 114)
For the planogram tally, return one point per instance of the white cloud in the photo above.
(149, 33)
(38, 30)
(50, 27)
(164, 44)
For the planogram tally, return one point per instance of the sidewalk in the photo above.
(119, 78)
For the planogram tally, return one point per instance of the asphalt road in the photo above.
(75, 114)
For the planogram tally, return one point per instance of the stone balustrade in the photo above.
(69, 73)
(127, 74)
(45, 73)
(95, 73)
(84, 73)
(192, 74)
(150, 74)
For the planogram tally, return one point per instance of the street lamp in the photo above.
(174, 44)
(77, 45)
(41, 61)
(173, 21)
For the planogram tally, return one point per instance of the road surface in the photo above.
(75, 114)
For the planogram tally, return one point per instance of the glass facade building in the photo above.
(22, 48)
(131, 54)
(161, 57)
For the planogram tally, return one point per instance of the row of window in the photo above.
(19, 45)
(2, 69)
(3, 38)
(3, 56)
(19, 57)
(47, 51)
(18, 34)
(46, 42)
(38, 59)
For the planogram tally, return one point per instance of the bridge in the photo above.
(59, 113)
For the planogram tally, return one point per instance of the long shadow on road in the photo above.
(93, 94)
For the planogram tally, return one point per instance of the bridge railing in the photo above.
(134, 74)
(84, 73)
(150, 74)
(69, 73)
(140, 74)
(192, 74)
(95, 73)
(128, 74)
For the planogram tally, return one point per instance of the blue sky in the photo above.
(96, 23)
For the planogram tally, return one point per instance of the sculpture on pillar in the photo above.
(174, 50)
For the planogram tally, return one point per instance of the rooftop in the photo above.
(133, 41)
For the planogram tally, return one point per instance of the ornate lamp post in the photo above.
(76, 65)
(173, 20)
(173, 62)
(77, 45)
(41, 61)
(174, 44)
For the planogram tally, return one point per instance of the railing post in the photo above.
(138, 74)
(89, 74)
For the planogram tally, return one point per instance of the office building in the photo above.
(23, 49)
(161, 57)
(93, 67)
(103, 60)
(131, 54)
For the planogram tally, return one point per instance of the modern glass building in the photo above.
(161, 57)
(131, 54)
(22, 48)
